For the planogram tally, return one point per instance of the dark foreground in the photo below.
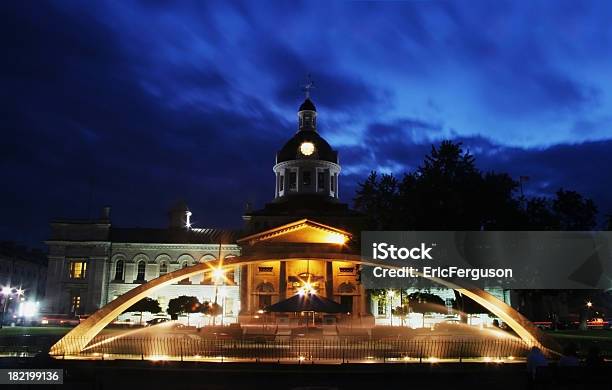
(183, 375)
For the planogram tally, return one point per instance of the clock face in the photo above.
(307, 148)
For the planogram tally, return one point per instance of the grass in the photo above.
(583, 340)
(34, 331)
(591, 334)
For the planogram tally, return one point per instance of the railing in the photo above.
(26, 346)
(187, 348)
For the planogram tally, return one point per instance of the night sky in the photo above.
(140, 104)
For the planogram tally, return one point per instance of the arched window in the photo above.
(119, 265)
(346, 288)
(163, 268)
(140, 276)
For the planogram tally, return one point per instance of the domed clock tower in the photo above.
(306, 180)
(307, 164)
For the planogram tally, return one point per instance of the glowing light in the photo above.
(307, 148)
(28, 309)
(510, 357)
(589, 304)
(302, 358)
(307, 288)
(20, 292)
(156, 358)
(218, 274)
(433, 359)
(6, 290)
(335, 238)
(487, 359)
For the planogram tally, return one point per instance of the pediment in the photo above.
(303, 231)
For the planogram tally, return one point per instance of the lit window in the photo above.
(163, 268)
(140, 276)
(119, 270)
(75, 304)
(78, 269)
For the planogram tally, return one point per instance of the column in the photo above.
(364, 301)
(276, 185)
(329, 279)
(244, 290)
(337, 186)
(282, 281)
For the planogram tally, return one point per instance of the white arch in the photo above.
(81, 335)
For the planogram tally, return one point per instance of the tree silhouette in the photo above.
(182, 305)
(448, 192)
(145, 304)
(424, 302)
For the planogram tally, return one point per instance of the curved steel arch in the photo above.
(78, 338)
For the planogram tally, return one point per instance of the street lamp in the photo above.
(218, 276)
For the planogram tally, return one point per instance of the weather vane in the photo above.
(308, 86)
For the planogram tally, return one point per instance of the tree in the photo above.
(145, 304)
(182, 305)
(448, 192)
(574, 212)
(466, 306)
(423, 302)
(211, 309)
(378, 197)
(401, 312)
(608, 223)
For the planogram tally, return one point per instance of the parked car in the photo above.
(157, 320)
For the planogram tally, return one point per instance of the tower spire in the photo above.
(308, 86)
